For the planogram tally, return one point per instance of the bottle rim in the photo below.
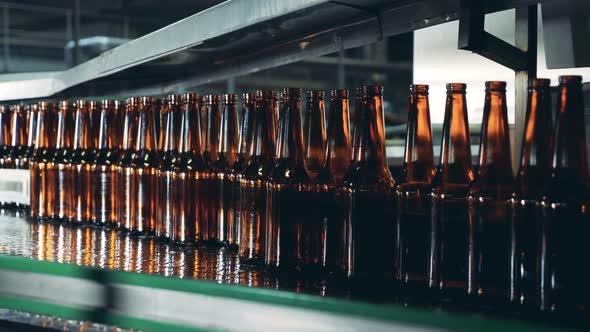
(495, 85)
(4, 108)
(173, 99)
(372, 90)
(539, 83)
(249, 97)
(133, 101)
(570, 79)
(292, 92)
(64, 104)
(315, 94)
(146, 100)
(456, 87)
(227, 98)
(419, 88)
(189, 97)
(342, 93)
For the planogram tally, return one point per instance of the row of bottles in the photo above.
(298, 197)
(486, 234)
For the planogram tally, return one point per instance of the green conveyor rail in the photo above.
(157, 303)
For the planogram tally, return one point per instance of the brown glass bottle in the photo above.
(253, 182)
(412, 192)
(288, 191)
(166, 175)
(490, 201)
(126, 207)
(58, 170)
(330, 215)
(221, 227)
(565, 224)
(104, 167)
(188, 172)
(210, 197)
(145, 163)
(81, 162)
(18, 128)
(246, 138)
(531, 183)
(449, 233)
(44, 151)
(368, 189)
(5, 140)
(315, 133)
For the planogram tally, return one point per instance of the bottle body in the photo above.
(41, 194)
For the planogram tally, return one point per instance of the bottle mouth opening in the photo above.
(292, 92)
(495, 85)
(248, 97)
(64, 104)
(133, 101)
(539, 82)
(17, 108)
(106, 103)
(343, 93)
(146, 100)
(456, 87)
(570, 79)
(172, 99)
(315, 94)
(212, 99)
(422, 88)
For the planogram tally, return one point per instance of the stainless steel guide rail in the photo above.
(235, 38)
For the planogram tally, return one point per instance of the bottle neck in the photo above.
(129, 125)
(190, 129)
(82, 129)
(4, 127)
(455, 155)
(106, 129)
(264, 134)
(418, 157)
(315, 131)
(369, 145)
(247, 128)
(212, 136)
(45, 134)
(339, 151)
(569, 157)
(18, 128)
(291, 135)
(62, 139)
(228, 132)
(145, 129)
(31, 127)
(169, 138)
(495, 163)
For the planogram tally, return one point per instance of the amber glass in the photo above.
(210, 198)
(126, 207)
(221, 228)
(412, 192)
(204, 117)
(188, 172)
(330, 213)
(166, 175)
(44, 151)
(488, 254)
(368, 189)
(252, 193)
(58, 170)
(531, 183)
(246, 138)
(18, 129)
(565, 224)
(287, 221)
(81, 163)
(104, 167)
(31, 133)
(5, 140)
(145, 163)
(448, 265)
(315, 132)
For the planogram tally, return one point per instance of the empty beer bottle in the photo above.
(221, 228)
(188, 172)
(288, 202)
(145, 163)
(5, 148)
(81, 162)
(246, 138)
(126, 207)
(210, 197)
(531, 183)
(368, 189)
(565, 225)
(448, 264)
(31, 134)
(166, 175)
(44, 151)
(253, 182)
(412, 192)
(489, 202)
(58, 169)
(315, 132)
(18, 128)
(104, 167)
(330, 216)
